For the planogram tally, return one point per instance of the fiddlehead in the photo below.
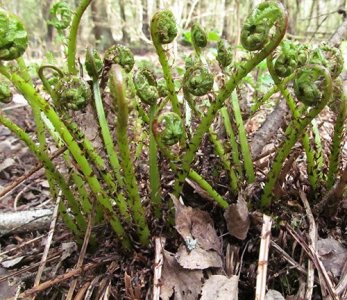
(297, 126)
(255, 31)
(146, 86)
(224, 53)
(163, 27)
(164, 31)
(162, 88)
(74, 93)
(13, 36)
(121, 55)
(309, 86)
(290, 57)
(60, 15)
(168, 128)
(330, 57)
(199, 38)
(198, 80)
(5, 93)
(93, 63)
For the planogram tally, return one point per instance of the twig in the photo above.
(313, 243)
(30, 268)
(75, 272)
(263, 258)
(317, 262)
(4, 191)
(48, 241)
(342, 285)
(83, 251)
(15, 249)
(290, 260)
(158, 264)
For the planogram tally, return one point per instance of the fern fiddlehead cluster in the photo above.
(198, 80)
(224, 53)
(291, 57)
(323, 81)
(60, 15)
(275, 16)
(13, 36)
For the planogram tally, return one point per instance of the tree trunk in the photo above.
(101, 30)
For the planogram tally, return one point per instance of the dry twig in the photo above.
(263, 258)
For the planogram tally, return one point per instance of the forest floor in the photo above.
(104, 272)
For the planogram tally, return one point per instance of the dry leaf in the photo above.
(185, 284)
(332, 254)
(237, 218)
(196, 227)
(9, 263)
(220, 287)
(198, 258)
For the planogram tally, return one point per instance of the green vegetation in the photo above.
(160, 105)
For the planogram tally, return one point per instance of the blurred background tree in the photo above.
(127, 21)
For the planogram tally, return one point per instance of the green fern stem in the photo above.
(72, 43)
(319, 153)
(270, 93)
(312, 170)
(154, 175)
(337, 141)
(118, 95)
(246, 154)
(30, 93)
(58, 178)
(163, 31)
(294, 131)
(45, 81)
(218, 146)
(232, 139)
(192, 175)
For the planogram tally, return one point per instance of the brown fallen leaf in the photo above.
(220, 287)
(198, 258)
(332, 254)
(196, 228)
(184, 284)
(237, 218)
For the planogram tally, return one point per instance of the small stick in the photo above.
(83, 252)
(22, 245)
(48, 241)
(313, 242)
(158, 264)
(30, 268)
(263, 258)
(317, 262)
(342, 285)
(59, 279)
(290, 260)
